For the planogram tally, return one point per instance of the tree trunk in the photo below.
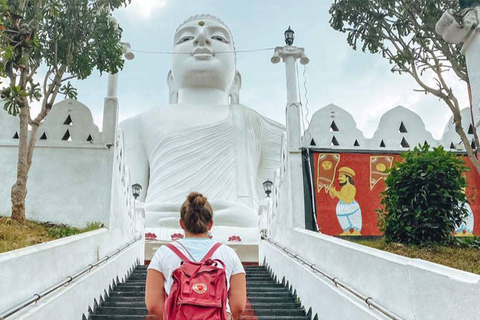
(19, 189)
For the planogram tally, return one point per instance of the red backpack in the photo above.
(199, 289)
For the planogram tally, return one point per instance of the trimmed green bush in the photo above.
(424, 199)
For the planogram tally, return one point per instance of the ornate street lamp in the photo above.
(289, 36)
(267, 186)
(136, 189)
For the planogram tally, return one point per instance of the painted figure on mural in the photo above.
(466, 227)
(348, 211)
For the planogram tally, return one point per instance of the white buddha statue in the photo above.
(203, 140)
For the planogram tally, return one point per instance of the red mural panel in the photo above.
(348, 188)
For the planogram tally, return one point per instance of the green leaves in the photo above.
(403, 31)
(69, 91)
(424, 198)
(13, 99)
(71, 38)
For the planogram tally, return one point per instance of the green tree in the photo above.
(403, 32)
(70, 38)
(424, 199)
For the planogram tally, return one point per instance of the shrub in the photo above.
(61, 231)
(92, 226)
(424, 198)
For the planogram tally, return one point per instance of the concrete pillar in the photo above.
(291, 76)
(112, 89)
(466, 31)
(294, 174)
(110, 109)
(110, 121)
(471, 51)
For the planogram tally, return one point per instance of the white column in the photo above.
(472, 55)
(110, 109)
(291, 74)
(294, 174)
(112, 89)
(110, 121)
(468, 33)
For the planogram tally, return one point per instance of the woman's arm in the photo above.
(237, 295)
(155, 293)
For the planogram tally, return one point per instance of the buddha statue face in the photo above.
(204, 55)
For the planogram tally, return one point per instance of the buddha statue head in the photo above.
(204, 58)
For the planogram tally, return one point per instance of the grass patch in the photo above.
(14, 235)
(463, 254)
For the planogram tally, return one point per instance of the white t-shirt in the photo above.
(165, 260)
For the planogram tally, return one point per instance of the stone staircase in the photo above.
(266, 299)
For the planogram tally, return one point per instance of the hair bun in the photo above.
(196, 200)
(196, 213)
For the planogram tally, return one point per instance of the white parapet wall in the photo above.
(410, 288)
(317, 294)
(399, 129)
(31, 270)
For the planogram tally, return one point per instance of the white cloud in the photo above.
(145, 8)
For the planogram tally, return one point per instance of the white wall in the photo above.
(411, 288)
(450, 136)
(70, 181)
(315, 291)
(388, 131)
(73, 301)
(36, 268)
(65, 185)
(323, 133)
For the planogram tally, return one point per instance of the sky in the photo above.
(358, 82)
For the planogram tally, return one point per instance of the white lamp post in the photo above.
(290, 54)
(112, 90)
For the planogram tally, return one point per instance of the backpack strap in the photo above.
(177, 252)
(211, 251)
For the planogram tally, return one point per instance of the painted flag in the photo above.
(378, 166)
(326, 168)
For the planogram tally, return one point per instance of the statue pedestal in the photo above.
(247, 248)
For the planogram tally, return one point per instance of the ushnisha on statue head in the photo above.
(204, 57)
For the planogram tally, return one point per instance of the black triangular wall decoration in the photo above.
(44, 136)
(335, 142)
(382, 144)
(356, 144)
(452, 146)
(15, 136)
(333, 127)
(312, 143)
(470, 129)
(473, 145)
(68, 121)
(404, 143)
(402, 128)
(90, 139)
(66, 136)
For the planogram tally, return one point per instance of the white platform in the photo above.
(248, 253)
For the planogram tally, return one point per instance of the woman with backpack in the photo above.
(195, 277)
